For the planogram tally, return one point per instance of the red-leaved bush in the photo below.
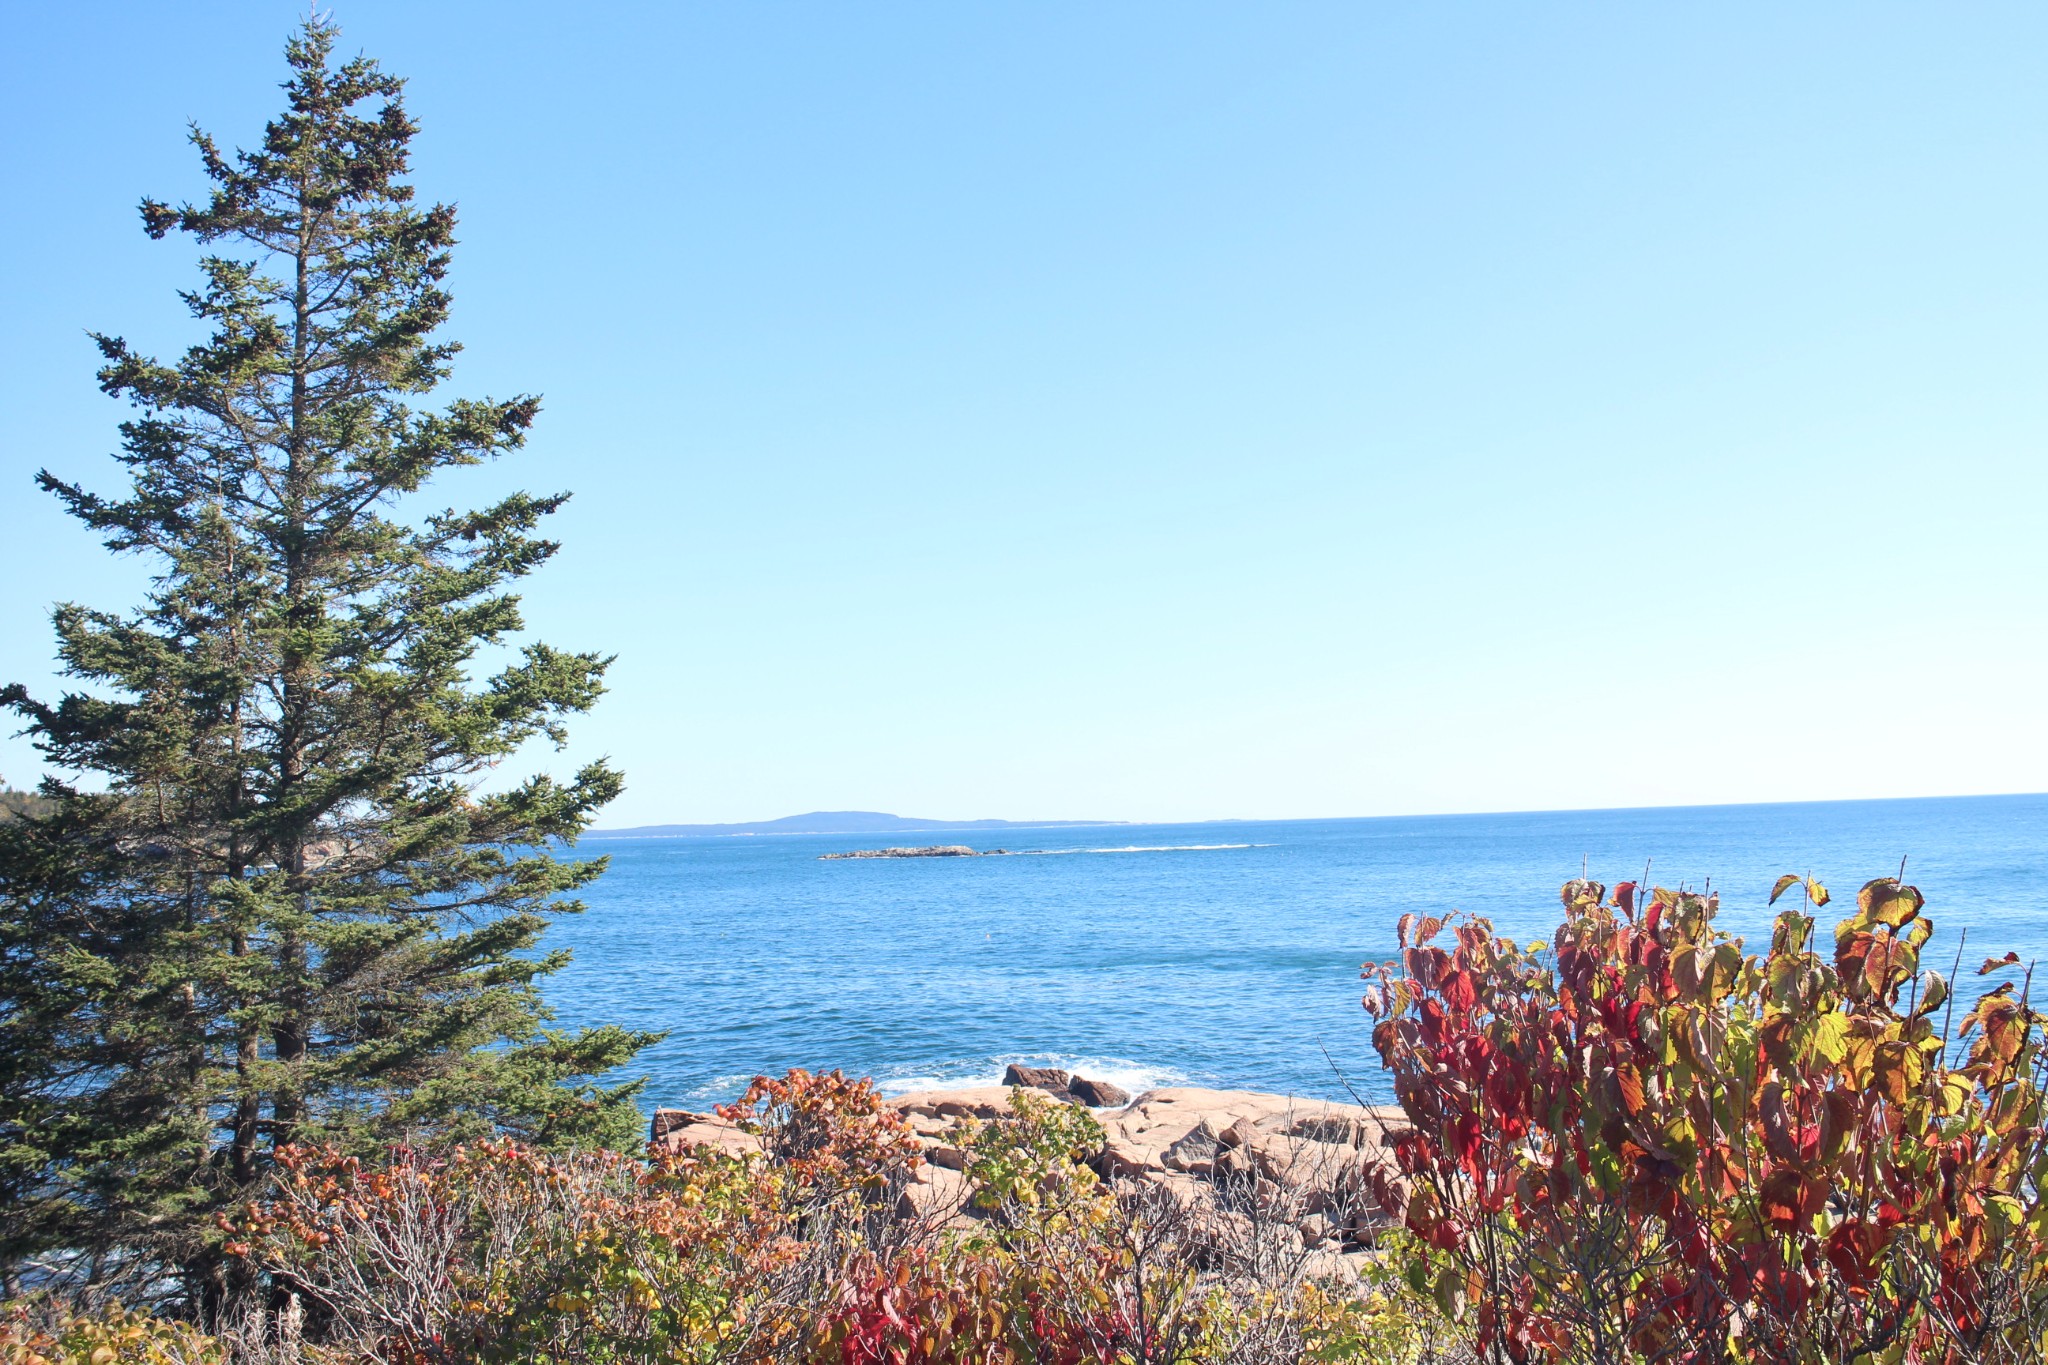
(1642, 1143)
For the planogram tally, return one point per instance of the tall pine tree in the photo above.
(276, 903)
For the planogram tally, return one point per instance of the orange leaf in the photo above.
(1631, 1090)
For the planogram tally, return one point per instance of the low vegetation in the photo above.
(493, 1251)
(1635, 1143)
(1640, 1143)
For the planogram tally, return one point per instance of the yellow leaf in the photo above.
(1687, 969)
(1896, 1070)
(1679, 1139)
(1785, 883)
(1831, 1039)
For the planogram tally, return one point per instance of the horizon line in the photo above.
(633, 831)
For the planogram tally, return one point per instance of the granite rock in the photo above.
(1098, 1094)
(1219, 1155)
(1194, 1151)
(1037, 1078)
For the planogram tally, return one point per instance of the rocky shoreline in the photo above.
(1226, 1159)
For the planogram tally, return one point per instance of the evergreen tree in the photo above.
(282, 907)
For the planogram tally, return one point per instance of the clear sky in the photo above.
(1169, 411)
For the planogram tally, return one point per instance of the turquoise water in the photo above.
(1212, 954)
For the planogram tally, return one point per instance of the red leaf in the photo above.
(1464, 1141)
(1783, 1198)
(1460, 993)
(1777, 1122)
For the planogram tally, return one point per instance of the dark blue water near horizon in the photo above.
(1221, 954)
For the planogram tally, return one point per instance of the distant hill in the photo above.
(836, 822)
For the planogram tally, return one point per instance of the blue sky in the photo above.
(1177, 411)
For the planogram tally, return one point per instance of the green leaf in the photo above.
(1450, 1292)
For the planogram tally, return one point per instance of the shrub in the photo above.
(36, 1332)
(494, 1252)
(1641, 1143)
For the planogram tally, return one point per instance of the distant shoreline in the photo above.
(835, 823)
(785, 826)
(656, 831)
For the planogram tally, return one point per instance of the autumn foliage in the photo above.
(1641, 1142)
(806, 1250)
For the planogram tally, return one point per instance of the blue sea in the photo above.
(1208, 954)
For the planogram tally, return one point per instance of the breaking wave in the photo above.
(1136, 1077)
(1134, 848)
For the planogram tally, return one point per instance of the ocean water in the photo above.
(1212, 954)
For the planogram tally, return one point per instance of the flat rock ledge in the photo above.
(1236, 1163)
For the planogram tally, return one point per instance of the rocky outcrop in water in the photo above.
(1098, 1094)
(933, 851)
(1047, 1078)
(1067, 1086)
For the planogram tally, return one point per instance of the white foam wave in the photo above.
(1136, 848)
(963, 1074)
(1167, 848)
(734, 1083)
(1135, 1077)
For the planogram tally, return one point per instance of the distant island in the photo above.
(926, 851)
(836, 822)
